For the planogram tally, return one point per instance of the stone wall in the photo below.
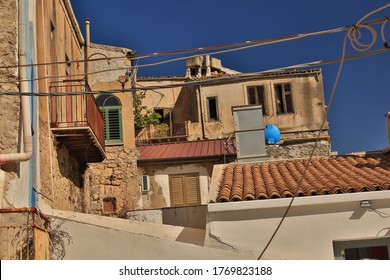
(299, 145)
(297, 150)
(60, 174)
(113, 185)
(9, 105)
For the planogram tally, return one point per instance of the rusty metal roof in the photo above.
(187, 151)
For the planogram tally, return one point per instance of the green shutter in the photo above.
(113, 125)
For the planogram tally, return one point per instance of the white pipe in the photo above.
(86, 47)
(27, 150)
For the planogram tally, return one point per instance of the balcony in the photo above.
(76, 121)
(151, 134)
(24, 234)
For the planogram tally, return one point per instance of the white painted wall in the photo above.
(309, 230)
(161, 176)
(105, 238)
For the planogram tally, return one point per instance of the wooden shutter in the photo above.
(184, 189)
(176, 189)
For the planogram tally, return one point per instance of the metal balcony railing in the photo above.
(75, 114)
(154, 134)
(24, 235)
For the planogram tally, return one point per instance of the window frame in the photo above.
(284, 105)
(264, 105)
(105, 110)
(143, 179)
(184, 190)
(339, 247)
(210, 118)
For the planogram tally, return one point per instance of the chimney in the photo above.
(249, 131)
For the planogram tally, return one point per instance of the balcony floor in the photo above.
(81, 142)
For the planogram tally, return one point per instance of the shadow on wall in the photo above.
(188, 216)
(69, 167)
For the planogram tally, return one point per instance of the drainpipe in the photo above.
(24, 99)
(199, 88)
(86, 47)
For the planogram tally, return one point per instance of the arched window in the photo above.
(111, 108)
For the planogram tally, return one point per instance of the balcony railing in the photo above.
(76, 119)
(156, 134)
(24, 234)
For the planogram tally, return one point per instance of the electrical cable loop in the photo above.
(355, 35)
(385, 44)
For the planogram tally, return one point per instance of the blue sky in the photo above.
(362, 98)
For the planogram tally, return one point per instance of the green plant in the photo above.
(161, 130)
(143, 116)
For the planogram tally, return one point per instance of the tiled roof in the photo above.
(192, 150)
(331, 175)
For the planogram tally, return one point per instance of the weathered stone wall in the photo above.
(117, 178)
(61, 175)
(9, 105)
(297, 150)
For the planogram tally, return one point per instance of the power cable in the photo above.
(230, 78)
(353, 35)
(252, 44)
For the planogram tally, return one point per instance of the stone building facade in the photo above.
(9, 105)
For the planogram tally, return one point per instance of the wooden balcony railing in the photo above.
(76, 118)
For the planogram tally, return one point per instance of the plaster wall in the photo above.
(159, 195)
(103, 71)
(160, 98)
(308, 100)
(308, 232)
(60, 173)
(187, 216)
(103, 77)
(119, 239)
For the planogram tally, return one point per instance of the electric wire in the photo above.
(231, 78)
(353, 35)
(252, 45)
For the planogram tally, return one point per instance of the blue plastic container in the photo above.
(272, 134)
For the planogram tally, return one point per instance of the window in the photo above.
(213, 108)
(111, 109)
(145, 185)
(377, 249)
(284, 100)
(184, 190)
(256, 97)
(68, 64)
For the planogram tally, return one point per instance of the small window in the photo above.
(145, 185)
(376, 249)
(68, 64)
(109, 205)
(284, 100)
(213, 108)
(184, 190)
(111, 109)
(256, 97)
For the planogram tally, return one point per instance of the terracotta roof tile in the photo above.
(332, 175)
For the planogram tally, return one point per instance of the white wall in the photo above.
(105, 238)
(308, 232)
(161, 178)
